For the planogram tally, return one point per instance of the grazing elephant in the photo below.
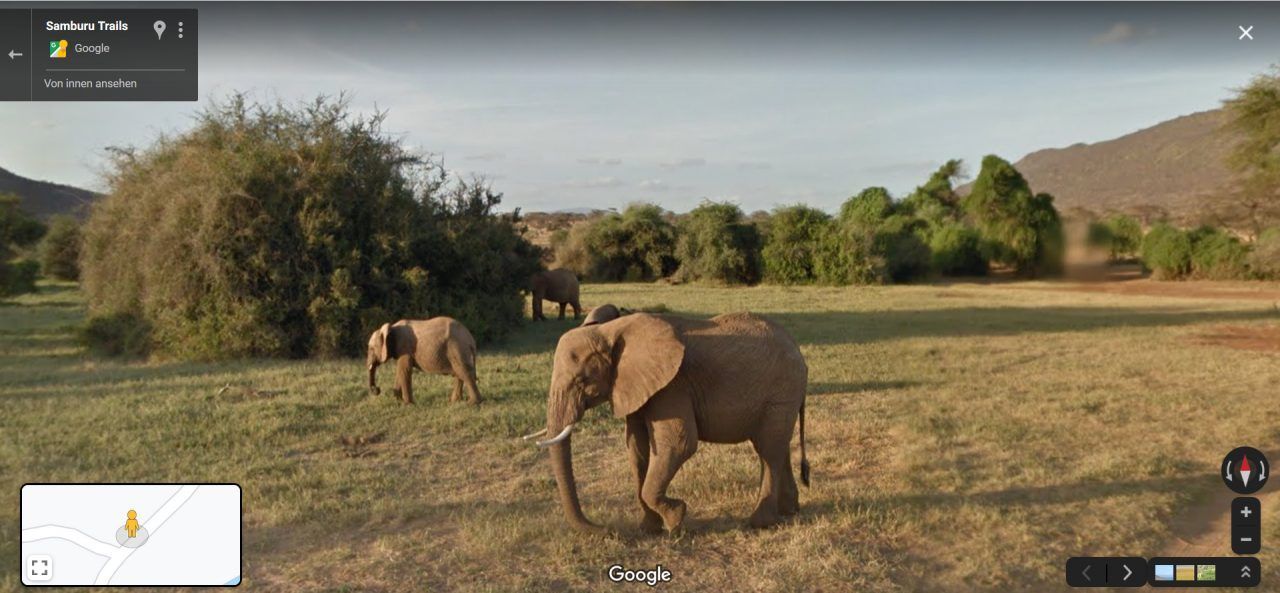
(733, 378)
(558, 286)
(440, 345)
(602, 314)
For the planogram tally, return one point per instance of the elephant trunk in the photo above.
(562, 414)
(373, 377)
(562, 465)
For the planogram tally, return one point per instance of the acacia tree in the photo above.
(1254, 118)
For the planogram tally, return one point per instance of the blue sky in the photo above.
(595, 105)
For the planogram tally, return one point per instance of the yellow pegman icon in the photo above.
(131, 525)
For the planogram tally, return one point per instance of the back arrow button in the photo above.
(14, 54)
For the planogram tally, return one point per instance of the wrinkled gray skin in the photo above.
(734, 378)
(559, 286)
(602, 314)
(440, 346)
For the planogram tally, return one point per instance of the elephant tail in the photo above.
(804, 459)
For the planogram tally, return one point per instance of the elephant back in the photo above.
(562, 285)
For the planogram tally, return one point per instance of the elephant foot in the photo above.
(651, 523)
(673, 519)
(789, 508)
(762, 519)
(374, 391)
(475, 401)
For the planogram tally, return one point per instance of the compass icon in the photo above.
(1245, 470)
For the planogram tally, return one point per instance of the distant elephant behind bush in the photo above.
(559, 286)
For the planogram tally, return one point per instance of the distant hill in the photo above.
(1176, 165)
(45, 199)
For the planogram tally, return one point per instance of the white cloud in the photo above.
(1118, 33)
(609, 162)
(596, 183)
(654, 185)
(684, 163)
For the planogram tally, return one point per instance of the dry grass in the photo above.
(963, 438)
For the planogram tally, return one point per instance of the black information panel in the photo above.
(99, 54)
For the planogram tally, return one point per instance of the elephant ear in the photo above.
(647, 354)
(384, 342)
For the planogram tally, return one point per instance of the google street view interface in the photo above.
(935, 297)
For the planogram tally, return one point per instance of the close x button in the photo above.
(1086, 571)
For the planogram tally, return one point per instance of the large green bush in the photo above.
(846, 254)
(1166, 251)
(1019, 228)
(638, 244)
(869, 208)
(790, 249)
(268, 230)
(717, 244)
(956, 250)
(1218, 255)
(872, 241)
(18, 277)
(60, 249)
(1264, 259)
(19, 231)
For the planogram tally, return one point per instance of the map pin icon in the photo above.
(159, 27)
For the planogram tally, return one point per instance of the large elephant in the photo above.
(559, 286)
(440, 345)
(734, 378)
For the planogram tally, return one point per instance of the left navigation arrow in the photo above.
(14, 54)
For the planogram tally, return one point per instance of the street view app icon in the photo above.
(58, 49)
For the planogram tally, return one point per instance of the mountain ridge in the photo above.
(44, 198)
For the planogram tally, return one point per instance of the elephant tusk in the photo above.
(564, 434)
(534, 435)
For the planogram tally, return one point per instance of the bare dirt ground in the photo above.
(1261, 339)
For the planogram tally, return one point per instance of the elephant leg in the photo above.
(562, 306)
(469, 379)
(638, 448)
(773, 444)
(789, 501)
(404, 378)
(456, 394)
(537, 309)
(577, 309)
(673, 439)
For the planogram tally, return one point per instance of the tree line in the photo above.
(874, 238)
